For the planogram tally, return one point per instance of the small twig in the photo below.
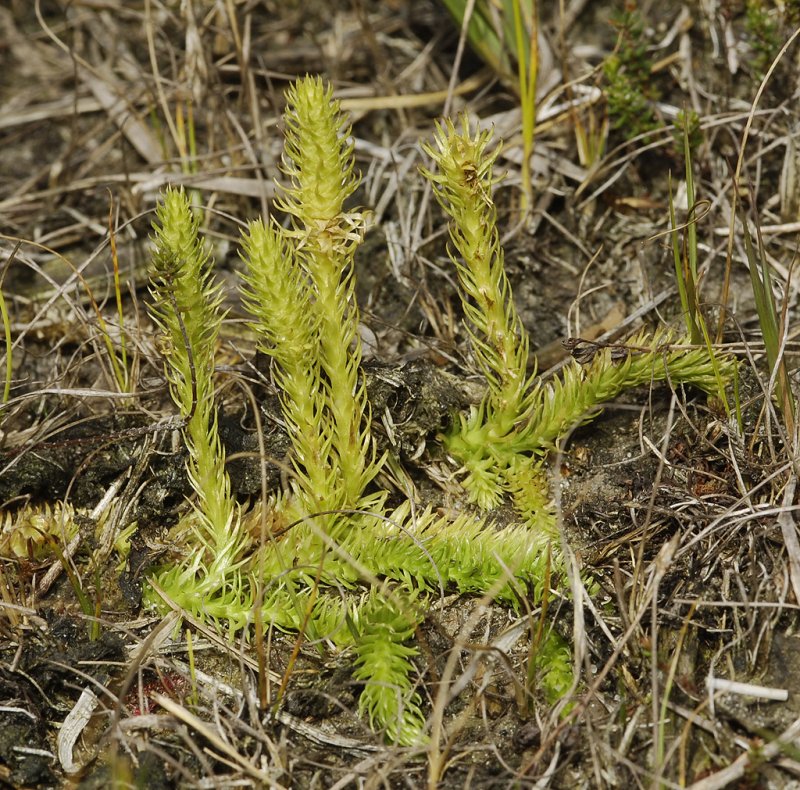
(745, 689)
(749, 760)
(789, 531)
(202, 728)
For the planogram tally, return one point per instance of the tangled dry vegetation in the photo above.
(678, 516)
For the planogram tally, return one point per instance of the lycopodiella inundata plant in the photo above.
(463, 186)
(502, 440)
(300, 283)
(340, 564)
(187, 308)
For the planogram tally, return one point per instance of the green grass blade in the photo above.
(769, 322)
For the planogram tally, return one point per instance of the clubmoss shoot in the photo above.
(345, 566)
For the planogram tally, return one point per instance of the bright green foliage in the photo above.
(431, 552)
(492, 458)
(501, 441)
(554, 661)
(187, 309)
(383, 663)
(575, 398)
(318, 160)
(279, 296)
(300, 290)
(463, 186)
(336, 561)
(319, 163)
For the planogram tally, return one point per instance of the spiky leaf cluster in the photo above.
(278, 294)
(187, 308)
(301, 281)
(463, 186)
(562, 404)
(420, 550)
(318, 160)
(501, 441)
(299, 289)
(34, 531)
(328, 538)
(554, 662)
(575, 398)
(383, 627)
